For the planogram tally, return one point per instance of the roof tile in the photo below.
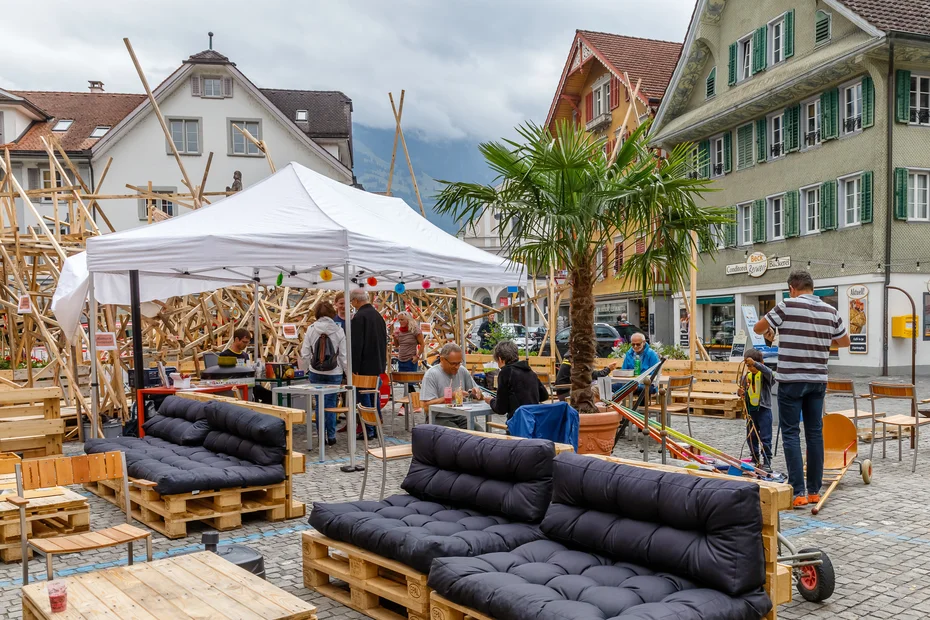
(911, 16)
(651, 60)
(327, 110)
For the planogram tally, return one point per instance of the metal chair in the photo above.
(406, 379)
(846, 387)
(210, 359)
(369, 416)
(679, 383)
(61, 471)
(897, 391)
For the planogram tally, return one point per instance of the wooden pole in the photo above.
(403, 143)
(397, 116)
(692, 302)
(552, 312)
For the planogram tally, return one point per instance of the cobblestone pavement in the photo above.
(878, 536)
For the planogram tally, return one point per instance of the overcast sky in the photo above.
(471, 68)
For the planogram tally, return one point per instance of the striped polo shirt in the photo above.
(806, 328)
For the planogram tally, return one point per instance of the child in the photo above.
(757, 391)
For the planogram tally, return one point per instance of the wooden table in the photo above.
(50, 512)
(199, 585)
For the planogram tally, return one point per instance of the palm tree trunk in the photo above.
(582, 345)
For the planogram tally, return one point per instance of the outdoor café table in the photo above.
(469, 410)
(197, 585)
(283, 382)
(308, 390)
(168, 391)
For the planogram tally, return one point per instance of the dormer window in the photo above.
(99, 131)
(302, 115)
(63, 125)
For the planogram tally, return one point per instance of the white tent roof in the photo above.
(295, 222)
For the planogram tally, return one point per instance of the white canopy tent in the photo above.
(291, 225)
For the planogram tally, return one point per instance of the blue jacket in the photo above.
(649, 358)
(556, 422)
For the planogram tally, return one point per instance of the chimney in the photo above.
(96, 86)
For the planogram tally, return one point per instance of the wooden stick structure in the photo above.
(399, 132)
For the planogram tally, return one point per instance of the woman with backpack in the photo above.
(324, 355)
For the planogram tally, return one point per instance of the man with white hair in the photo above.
(448, 373)
(369, 345)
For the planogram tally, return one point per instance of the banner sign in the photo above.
(105, 341)
(289, 330)
(858, 318)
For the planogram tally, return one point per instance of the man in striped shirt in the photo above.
(807, 327)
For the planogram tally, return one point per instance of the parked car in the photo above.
(516, 332)
(606, 335)
(537, 335)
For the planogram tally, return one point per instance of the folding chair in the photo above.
(914, 421)
(62, 471)
(679, 384)
(846, 387)
(369, 416)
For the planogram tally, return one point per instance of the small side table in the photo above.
(319, 390)
(470, 411)
(284, 383)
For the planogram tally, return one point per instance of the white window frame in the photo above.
(854, 85)
(304, 113)
(912, 216)
(203, 86)
(101, 130)
(167, 206)
(805, 214)
(770, 139)
(752, 146)
(778, 22)
(744, 60)
(744, 224)
(770, 210)
(922, 79)
(841, 201)
(805, 123)
(715, 142)
(185, 141)
(63, 125)
(250, 149)
(718, 233)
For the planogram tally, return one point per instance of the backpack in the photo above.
(324, 355)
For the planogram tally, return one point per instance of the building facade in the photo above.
(811, 118)
(201, 101)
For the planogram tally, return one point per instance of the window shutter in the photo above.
(868, 102)
(828, 205)
(704, 158)
(758, 221)
(900, 193)
(196, 86)
(589, 106)
(727, 153)
(618, 257)
(605, 258)
(614, 92)
(829, 114)
(902, 109)
(792, 128)
(789, 34)
(227, 87)
(866, 215)
(792, 214)
(761, 136)
(32, 175)
(759, 51)
(731, 79)
(821, 28)
(710, 86)
(731, 232)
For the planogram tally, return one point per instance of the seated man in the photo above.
(448, 373)
(639, 359)
(564, 376)
(239, 347)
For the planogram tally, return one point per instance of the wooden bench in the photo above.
(221, 509)
(30, 421)
(716, 387)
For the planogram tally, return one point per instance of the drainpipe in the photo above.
(93, 189)
(889, 197)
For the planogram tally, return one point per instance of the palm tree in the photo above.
(560, 198)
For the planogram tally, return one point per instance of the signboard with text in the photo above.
(858, 320)
(757, 264)
(289, 330)
(105, 341)
(751, 318)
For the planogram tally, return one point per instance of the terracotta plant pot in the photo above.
(596, 432)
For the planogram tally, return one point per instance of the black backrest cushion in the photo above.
(245, 434)
(703, 529)
(496, 476)
(180, 420)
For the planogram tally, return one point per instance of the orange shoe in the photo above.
(813, 498)
(801, 502)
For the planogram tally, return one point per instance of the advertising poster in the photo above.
(25, 305)
(926, 316)
(858, 318)
(105, 341)
(684, 332)
(289, 330)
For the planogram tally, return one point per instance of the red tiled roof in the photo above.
(894, 15)
(87, 110)
(647, 59)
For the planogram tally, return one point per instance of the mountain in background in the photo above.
(450, 160)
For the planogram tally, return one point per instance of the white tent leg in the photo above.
(460, 312)
(352, 414)
(257, 332)
(94, 386)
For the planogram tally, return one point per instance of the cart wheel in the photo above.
(816, 583)
(865, 469)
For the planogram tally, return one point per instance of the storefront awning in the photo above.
(725, 299)
(819, 292)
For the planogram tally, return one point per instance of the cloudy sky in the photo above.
(471, 68)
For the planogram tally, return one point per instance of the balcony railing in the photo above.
(852, 124)
(598, 121)
(920, 116)
(777, 150)
(811, 138)
(718, 170)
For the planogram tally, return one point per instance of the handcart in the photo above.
(840, 451)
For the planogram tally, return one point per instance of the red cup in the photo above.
(57, 596)
(447, 395)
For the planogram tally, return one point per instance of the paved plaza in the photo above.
(878, 536)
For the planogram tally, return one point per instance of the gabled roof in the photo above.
(87, 110)
(910, 16)
(328, 111)
(208, 57)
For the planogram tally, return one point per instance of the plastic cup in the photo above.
(57, 596)
(447, 395)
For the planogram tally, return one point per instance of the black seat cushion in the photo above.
(545, 580)
(495, 476)
(180, 421)
(414, 531)
(182, 469)
(705, 530)
(245, 434)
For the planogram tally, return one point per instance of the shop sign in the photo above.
(858, 318)
(757, 264)
(105, 341)
(289, 331)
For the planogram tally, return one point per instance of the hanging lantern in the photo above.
(372, 281)
(426, 285)
(399, 288)
(326, 275)
(280, 279)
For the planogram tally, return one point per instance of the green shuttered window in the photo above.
(731, 238)
(727, 153)
(710, 86)
(828, 206)
(731, 79)
(866, 215)
(759, 50)
(761, 133)
(758, 221)
(902, 108)
(868, 102)
(900, 192)
(704, 159)
(789, 34)
(792, 128)
(830, 114)
(744, 152)
(792, 214)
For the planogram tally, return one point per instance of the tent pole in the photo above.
(136, 314)
(526, 320)
(350, 392)
(94, 388)
(257, 335)
(459, 311)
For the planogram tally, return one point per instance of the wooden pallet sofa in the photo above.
(210, 459)
(715, 389)
(465, 495)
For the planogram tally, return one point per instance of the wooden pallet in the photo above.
(377, 587)
(221, 509)
(52, 515)
(444, 609)
(30, 421)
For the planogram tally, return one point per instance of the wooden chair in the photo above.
(846, 387)
(897, 391)
(369, 416)
(406, 379)
(62, 471)
(679, 383)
